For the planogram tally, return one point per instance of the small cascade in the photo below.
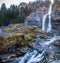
(51, 40)
(31, 57)
(43, 23)
(49, 16)
(36, 56)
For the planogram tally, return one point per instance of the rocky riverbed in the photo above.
(19, 44)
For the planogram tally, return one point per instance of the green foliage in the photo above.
(12, 15)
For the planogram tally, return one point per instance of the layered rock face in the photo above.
(56, 47)
(18, 40)
(13, 35)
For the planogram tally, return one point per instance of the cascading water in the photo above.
(35, 56)
(49, 16)
(32, 57)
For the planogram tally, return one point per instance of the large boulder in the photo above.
(23, 36)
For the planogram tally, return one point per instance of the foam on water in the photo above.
(32, 57)
(51, 40)
(0, 30)
(35, 56)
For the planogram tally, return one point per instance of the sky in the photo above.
(16, 2)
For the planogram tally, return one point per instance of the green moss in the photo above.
(42, 36)
(58, 45)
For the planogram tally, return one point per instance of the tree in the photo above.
(4, 14)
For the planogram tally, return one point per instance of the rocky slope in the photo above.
(16, 41)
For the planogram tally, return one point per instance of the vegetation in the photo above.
(14, 14)
(17, 14)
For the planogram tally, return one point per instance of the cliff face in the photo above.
(56, 17)
(57, 6)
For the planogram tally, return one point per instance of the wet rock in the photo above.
(30, 37)
(57, 43)
(25, 49)
(5, 43)
(42, 36)
(7, 30)
(40, 31)
(16, 26)
(35, 46)
(11, 28)
(25, 38)
(5, 58)
(55, 48)
(32, 27)
(20, 36)
(57, 61)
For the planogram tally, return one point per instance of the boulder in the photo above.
(6, 58)
(32, 27)
(16, 26)
(41, 32)
(7, 30)
(7, 42)
(21, 37)
(42, 36)
(57, 43)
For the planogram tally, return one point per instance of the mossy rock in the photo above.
(28, 37)
(32, 27)
(42, 36)
(16, 26)
(32, 40)
(33, 36)
(23, 42)
(2, 43)
(41, 32)
(11, 39)
(57, 43)
(25, 31)
(8, 30)
(19, 36)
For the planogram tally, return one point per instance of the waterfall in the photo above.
(49, 16)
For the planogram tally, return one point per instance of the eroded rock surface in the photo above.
(19, 41)
(16, 41)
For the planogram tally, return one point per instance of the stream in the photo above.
(35, 56)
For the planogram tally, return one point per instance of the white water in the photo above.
(0, 30)
(32, 57)
(35, 56)
(51, 40)
(49, 16)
